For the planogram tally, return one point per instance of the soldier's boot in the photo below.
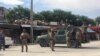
(22, 48)
(0, 47)
(3, 48)
(53, 47)
(80, 45)
(68, 45)
(26, 48)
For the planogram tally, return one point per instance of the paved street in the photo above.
(90, 49)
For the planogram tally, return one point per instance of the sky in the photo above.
(90, 8)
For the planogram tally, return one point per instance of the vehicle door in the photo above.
(60, 36)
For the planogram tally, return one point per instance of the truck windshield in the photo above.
(61, 32)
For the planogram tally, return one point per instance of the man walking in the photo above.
(2, 39)
(24, 36)
(51, 35)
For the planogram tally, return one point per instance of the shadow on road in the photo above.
(61, 51)
(35, 52)
(61, 46)
(24, 51)
(12, 50)
(89, 48)
(78, 48)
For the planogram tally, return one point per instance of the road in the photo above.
(89, 49)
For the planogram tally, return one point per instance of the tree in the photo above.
(38, 17)
(18, 13)
(48, 15)
(61, 15)
(97, 19)
(58, 15)
(82, 19)
(10, 16)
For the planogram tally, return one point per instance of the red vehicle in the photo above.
(97, 30)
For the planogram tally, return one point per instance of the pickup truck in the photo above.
(60, 38)
(8, 41)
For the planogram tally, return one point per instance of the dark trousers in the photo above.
(24, 43)
(2, 46)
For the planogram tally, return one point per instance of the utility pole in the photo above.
(31, 19)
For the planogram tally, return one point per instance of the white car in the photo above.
(8, 41)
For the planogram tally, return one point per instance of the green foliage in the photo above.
(18, 13)
(82, 19)
(97, 19)
(48, 15)
(58, 15)
(38, 17)
(61, 15)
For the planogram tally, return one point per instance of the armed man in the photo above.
(51, 35)
(84, 31)
(24, 36)
(2, 39)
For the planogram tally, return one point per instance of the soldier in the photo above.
(78, 37)
(69, 35)
(2, 39)
(51, 35)
(84, 32)
(84, 28)
(24, 36)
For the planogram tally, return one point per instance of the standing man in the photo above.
(84, 28)
(78, 37)
(24, 36)
(51, 35)
(84, 32)
(2, 39)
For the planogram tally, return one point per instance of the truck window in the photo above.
(61, 32)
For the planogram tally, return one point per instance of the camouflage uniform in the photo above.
(24, 36)
(84, 32)
(78, 37)
(69, 35)
(73, 34)
(84, 28)
(51, 39)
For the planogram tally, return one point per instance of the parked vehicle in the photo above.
(8, 41)
(60, 38)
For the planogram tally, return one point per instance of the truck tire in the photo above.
(73, 44)
(43, 43)
(6, 46)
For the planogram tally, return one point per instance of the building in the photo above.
(2, 15)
